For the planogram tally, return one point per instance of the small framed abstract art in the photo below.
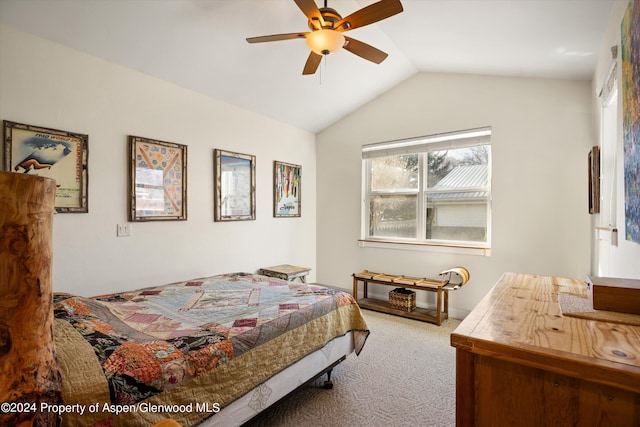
(287, 182)
(594, 180)
(51, 153)
(235, 186)
(157, 180)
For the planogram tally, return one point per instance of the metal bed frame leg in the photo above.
(328, 384)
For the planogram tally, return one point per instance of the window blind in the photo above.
(610, 85)
(437, 142)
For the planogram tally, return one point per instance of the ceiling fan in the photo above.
(327, 26)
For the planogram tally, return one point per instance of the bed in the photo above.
(209, 351)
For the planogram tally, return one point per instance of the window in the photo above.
(606, 229)
(429, 190)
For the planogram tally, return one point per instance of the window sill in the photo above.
(426, 247)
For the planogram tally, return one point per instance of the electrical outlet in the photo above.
(124, 230)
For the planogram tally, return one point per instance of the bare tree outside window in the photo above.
(393, 212)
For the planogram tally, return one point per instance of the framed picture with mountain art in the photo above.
(50, 153)
(287, 181)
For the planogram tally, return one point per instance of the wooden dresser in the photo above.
(521, 362)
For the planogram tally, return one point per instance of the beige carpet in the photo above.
(404, 376)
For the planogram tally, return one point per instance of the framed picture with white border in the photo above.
(287, 185)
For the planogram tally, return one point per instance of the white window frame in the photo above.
(421, 146)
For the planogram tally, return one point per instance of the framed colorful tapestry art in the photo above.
(157, 180)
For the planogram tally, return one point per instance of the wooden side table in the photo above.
(286, 272)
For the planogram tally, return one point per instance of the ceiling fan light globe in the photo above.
(324, 42)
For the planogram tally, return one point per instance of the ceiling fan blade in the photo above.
(368, 15)
(364, 50)
(311, 11)
(312, 63)
(276, 37)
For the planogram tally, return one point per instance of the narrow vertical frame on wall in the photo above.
(235, 186)
(51, 153)
(287, 186)
(630, 34)
(594, 180)
(157, 180)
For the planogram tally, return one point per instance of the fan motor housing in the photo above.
(330, 17)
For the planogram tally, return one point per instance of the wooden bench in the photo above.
(449, 280)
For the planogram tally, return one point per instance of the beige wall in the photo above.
(46, 84)
(542, 131)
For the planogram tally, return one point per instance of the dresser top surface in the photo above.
(520, 319)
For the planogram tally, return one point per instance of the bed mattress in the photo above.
(187, 350)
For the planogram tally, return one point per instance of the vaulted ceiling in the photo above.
(200, 45)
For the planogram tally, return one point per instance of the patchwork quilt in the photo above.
(152, 343)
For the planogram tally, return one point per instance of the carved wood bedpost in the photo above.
(28, 369)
